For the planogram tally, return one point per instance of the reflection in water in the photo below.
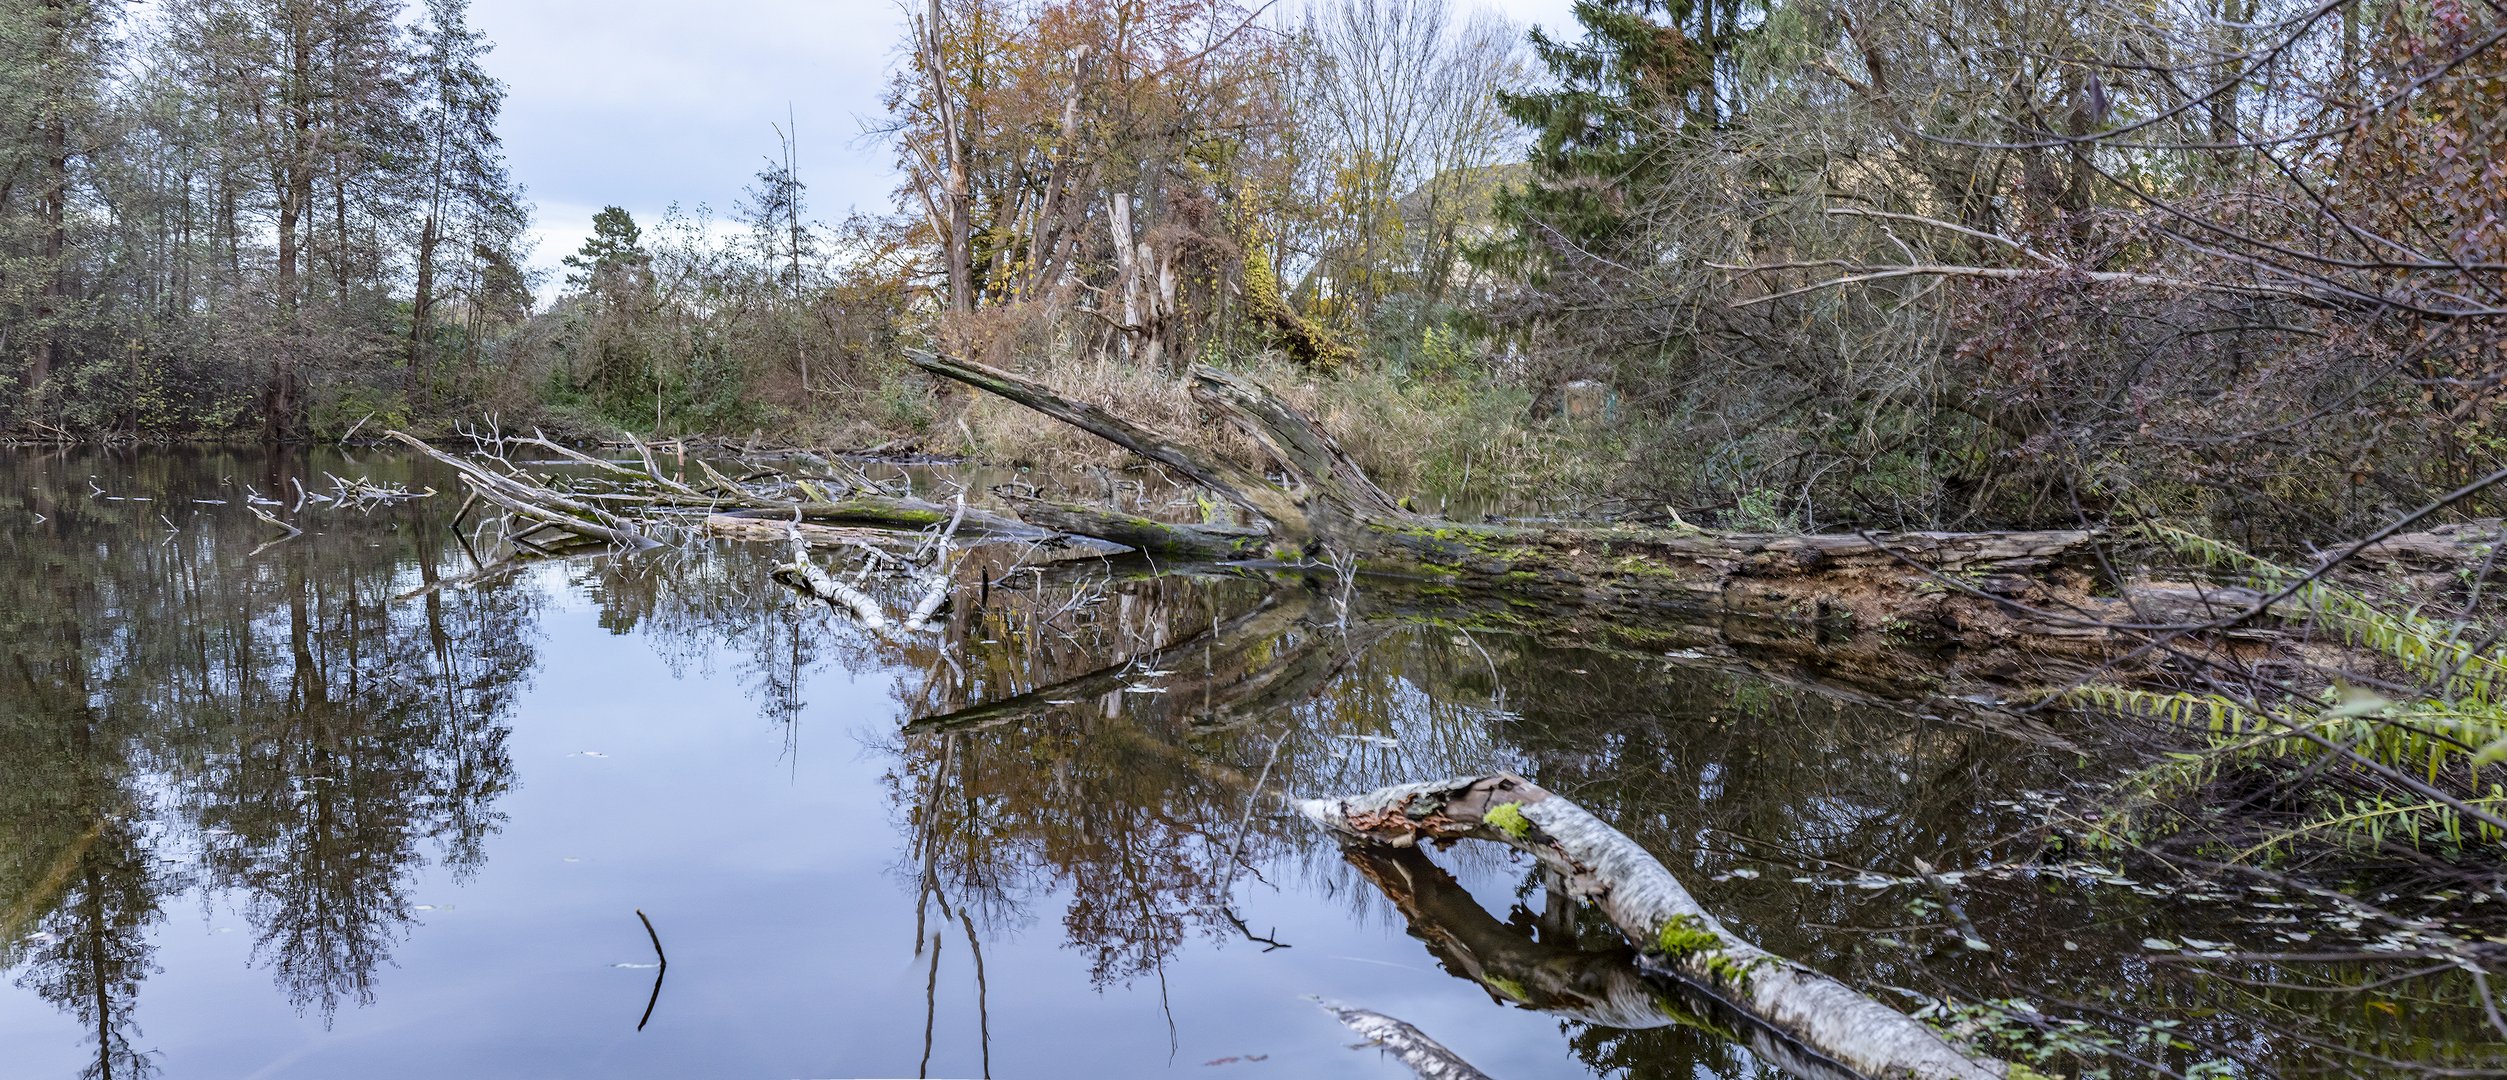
(1088, 758)
(175, 713)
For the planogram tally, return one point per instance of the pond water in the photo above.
(331, 806)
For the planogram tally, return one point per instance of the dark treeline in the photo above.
(1768, 263)
(247, 216)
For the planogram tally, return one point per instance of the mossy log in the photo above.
(1603, 987)
(886, 513)
(1967, 586)
(1674, 933)
(1212, 543)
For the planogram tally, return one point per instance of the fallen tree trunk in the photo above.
(1555, 975)
(1660, 917)
(535, 502)
(1213, 543)
(886, 512)
(1978, 587)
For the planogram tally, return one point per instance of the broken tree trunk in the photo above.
(1656, 912)
(1969, 586)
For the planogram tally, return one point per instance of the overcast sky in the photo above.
(642, 103)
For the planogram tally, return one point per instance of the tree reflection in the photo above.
(79, 887)
(301, 738)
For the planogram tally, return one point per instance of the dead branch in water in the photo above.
(529, 498)
(1327, 509)
(1655, 911)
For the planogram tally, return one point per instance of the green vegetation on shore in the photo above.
(1803, 264)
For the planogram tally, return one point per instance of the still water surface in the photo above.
(324, 808)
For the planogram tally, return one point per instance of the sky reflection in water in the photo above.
(296, 814)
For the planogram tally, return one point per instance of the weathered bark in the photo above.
(535, 502)
(805, 574)
(1980, 587)
(1676, 934)
(1238, 485)
(1601, 987)
(1306, 451)
(1215, 543)
(2447, 550)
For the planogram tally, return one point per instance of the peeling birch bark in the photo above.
(804, 573)
(1673, 931)
(1603, 987)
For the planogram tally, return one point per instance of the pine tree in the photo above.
(615, 246)
(465, 196)
(53, 60)
(1640, 81)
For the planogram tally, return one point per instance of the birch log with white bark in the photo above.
(1640, 896)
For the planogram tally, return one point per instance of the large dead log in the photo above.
(1971, 586)
(1675, 933)
(1214, 543)
(1600, 987)
(1230, 481)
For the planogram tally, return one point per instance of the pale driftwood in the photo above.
(804, 573)
(1555, 974)
(1642, 898)
(936, 578)
(534, 501)
(1425, 1056)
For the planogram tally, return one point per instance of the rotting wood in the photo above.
(1214, 543)
(1333, 512)
(1657, 914)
